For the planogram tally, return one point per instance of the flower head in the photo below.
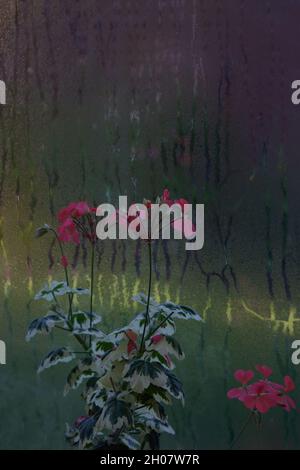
(76, 220)
(264, 370)
(263, 394)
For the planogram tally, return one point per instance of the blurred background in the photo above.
(130, 97)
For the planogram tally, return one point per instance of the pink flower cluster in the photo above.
(75, 220)
(263, 394)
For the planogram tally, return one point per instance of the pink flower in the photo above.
(286, 402)
(238, 392)
(265, 371)
(67, 232)
(243, 376)
(259, 397)
(64, 261)
(70, 227)
(74, 209)
(263, 394)
(165, 198)
(289, 384)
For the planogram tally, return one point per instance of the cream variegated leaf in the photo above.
(57, 288)
(165, 345)
(141, 373)
(56, 356)
(174, 386)
(181, 312)
(78, 374)
(129, 441)
(115, 415)
(150, 420)
(45, 324)
(83, 320)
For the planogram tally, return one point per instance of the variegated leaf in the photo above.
(129, 441)
(151, 421)
(143, 299)
(166, 345)
(141, 373)
(83, 320)
(115, 415)
(174, 386)
(181, 312)
(44, 325)
(58, 288)
(55, 357)
(78, 374)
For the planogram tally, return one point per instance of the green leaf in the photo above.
(55, 357)
(44, 325)
(115, 415)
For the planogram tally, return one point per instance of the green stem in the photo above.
(148, 299)
(70, 296)
(241, 430)
(159, 325)
(79, 339)
(92, 288)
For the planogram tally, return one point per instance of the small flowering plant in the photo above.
(261, 395)
(127, 373)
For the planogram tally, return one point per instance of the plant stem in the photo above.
(159, 325)
(92, 288)
(70, 296)
(241, 430)
(79, 339)
(148, 299)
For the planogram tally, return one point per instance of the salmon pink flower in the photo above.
(74, 209)
(259, 397)
(67, 232)
(243, 376)
(77, 219)
(286, 402)
(289, 384)
(264, 370)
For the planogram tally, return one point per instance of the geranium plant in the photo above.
(262, 395)
(127, 374)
